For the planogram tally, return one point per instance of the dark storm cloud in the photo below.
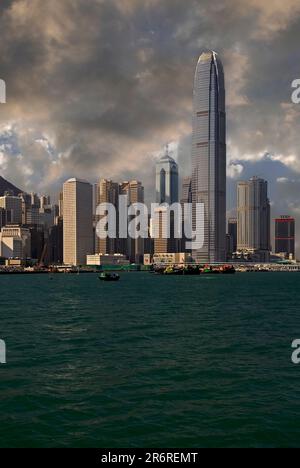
(96, 88)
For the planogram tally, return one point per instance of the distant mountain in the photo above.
(5, 186)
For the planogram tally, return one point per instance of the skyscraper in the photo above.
(134, 248)
(232, 236)
(209, 156)
(167, 180)
(285, 236)
(108, 192)
(78, 221)
(254, 218)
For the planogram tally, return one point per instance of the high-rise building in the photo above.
(209, 156)
(231, 237)
(15, 242)
(108, 192)
(133, 248)
(253, 222)
(13, 204)
(167, 190)
(78, 221)
(285, 236)
(164, 241)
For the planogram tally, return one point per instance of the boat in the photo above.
(109, 277)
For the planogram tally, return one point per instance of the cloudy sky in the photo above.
(96, 88)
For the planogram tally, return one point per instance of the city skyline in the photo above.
(66, 110)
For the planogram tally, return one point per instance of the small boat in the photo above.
(109, 277)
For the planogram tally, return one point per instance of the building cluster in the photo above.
(33, 228)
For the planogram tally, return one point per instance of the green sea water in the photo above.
(150, 361)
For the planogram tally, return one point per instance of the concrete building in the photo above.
(167, 189)
(285, 236)
(14, 205)
(209, 156)
(108, 260)
(231, 237)
(133, 248)
(77, 221)
(162, 230)
(15, 242)
(253, 222)
(108, 192)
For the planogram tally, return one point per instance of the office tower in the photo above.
(167, 180)
(78, 221)
(285, 236)
(13, 204)
(15, 242)
(209, 156)
(55, 243)
(253, 223)
(231, 237)
(163, 243)
(108, 192)
(133, 248)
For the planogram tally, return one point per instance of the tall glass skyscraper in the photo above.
(167, 189)
(209, 156)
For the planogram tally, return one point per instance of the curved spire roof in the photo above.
(166, 157)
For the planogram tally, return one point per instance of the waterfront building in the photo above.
(55, 242)
(78, 221)
(164, 239)
(209, 156)
(231, 237)
(167, 180)
(107, 260)
(253, 221)
(15, 242)
(133, 248)
(285, 236)
(108, 192)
